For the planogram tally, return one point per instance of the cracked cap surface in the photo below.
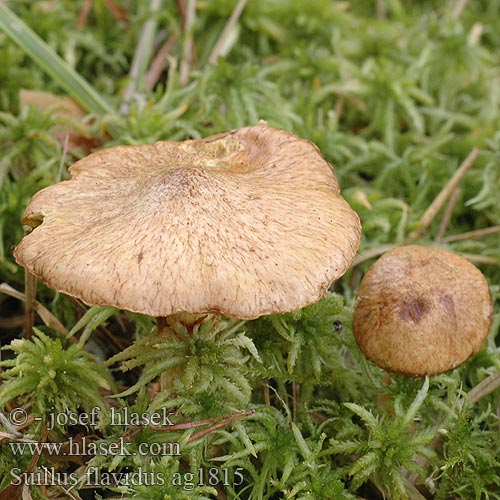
(245, 223)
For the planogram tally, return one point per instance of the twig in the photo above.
(117, 12)
(187, 52)
(181, 5)
(339, 106)
(433, 209)
(447, 214)
(223, 423)
(472, 235)
(214, 424)
(26, 494)
(231, 23)
(475, 34)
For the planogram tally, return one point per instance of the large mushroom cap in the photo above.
(422, 311)
(245, 223)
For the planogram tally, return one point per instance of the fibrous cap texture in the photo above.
(245, 223)
(422, 311)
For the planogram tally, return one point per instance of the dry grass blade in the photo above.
(231, 23)
(487, 386)
(371, 253)
(142, 55)
(11, 322)
(84, 14)
(480, 259)
(458, 7)
(159, 62)
(187, 52)
(380, 9)
(438, 202)
(472, 235)
(447, 215)
(26, 495)
(46, 316)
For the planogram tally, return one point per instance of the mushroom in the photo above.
(245, 223)
(422, 311)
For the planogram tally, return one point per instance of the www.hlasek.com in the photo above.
(93, 477)
(84, 447)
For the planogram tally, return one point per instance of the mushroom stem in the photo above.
(171, 326)
(29, 311)
(168, 326)
(163, 327)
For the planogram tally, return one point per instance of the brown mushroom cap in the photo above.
(246, 223)
(422, 311)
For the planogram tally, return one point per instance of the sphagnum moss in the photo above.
(395, 96)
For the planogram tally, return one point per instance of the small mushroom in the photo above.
(244, 223)
(422, 311)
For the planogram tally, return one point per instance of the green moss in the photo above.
(395, 94)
